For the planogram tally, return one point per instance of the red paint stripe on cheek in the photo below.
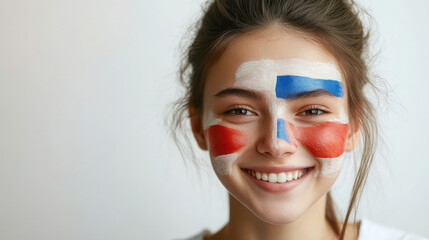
(325, 140)
(223, 140)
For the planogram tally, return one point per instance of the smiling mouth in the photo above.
(280, 177)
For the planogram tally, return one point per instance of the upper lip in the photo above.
(276, 169)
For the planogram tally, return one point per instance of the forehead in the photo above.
(273, 44)
(266, 74)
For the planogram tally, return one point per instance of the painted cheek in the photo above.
(224, 140)
(325, 140)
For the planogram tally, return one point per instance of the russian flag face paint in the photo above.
(224, 143)
(290, 86)
(274, 115)
(324, 140)
(281, 80)
(281, 130)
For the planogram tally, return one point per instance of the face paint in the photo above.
(281, 130)
(290, 86)
(224, 142)
(284, 79)
(263, 75)
(324, 140)
(259, 75)
(210, 120)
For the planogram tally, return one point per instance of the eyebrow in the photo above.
(239, 92)
(289, 86)
(311, 94)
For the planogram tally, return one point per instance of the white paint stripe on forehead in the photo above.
(259, 75)
(262, 74)
(306, 68)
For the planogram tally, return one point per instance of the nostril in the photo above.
(279, 143)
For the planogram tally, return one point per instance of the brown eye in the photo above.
(312, 112)
(240, 111)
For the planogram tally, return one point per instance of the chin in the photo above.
(278, 219)
(277, 213)
(277, 208)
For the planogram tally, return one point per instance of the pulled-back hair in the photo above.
(333, 23)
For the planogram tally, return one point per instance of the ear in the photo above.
(197, 128)
(353, 135)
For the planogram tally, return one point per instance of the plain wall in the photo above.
(84, 149)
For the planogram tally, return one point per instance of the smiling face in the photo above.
(275, 122)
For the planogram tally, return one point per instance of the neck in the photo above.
(244, 224)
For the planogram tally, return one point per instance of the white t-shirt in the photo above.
(368, 231)
(373, 231)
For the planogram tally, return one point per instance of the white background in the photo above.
(84, 150)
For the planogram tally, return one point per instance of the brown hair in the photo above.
(333, 23)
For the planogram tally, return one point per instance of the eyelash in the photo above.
(310, 111)
(236, 111)
(243, 111)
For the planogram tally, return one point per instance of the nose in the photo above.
(279, 141)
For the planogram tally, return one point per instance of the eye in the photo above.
(240, 111)
(314, 111)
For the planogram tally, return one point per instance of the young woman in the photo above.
(275, 94)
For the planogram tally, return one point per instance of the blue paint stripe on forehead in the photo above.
(289, 86)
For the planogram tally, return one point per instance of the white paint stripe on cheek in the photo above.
(343, 117)
(210, 120)
(329, 166)
(223, 163)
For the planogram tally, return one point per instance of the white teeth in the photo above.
(281, 178)
(277, 177)
(295, 175)
(272, 177)
(264, 177)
